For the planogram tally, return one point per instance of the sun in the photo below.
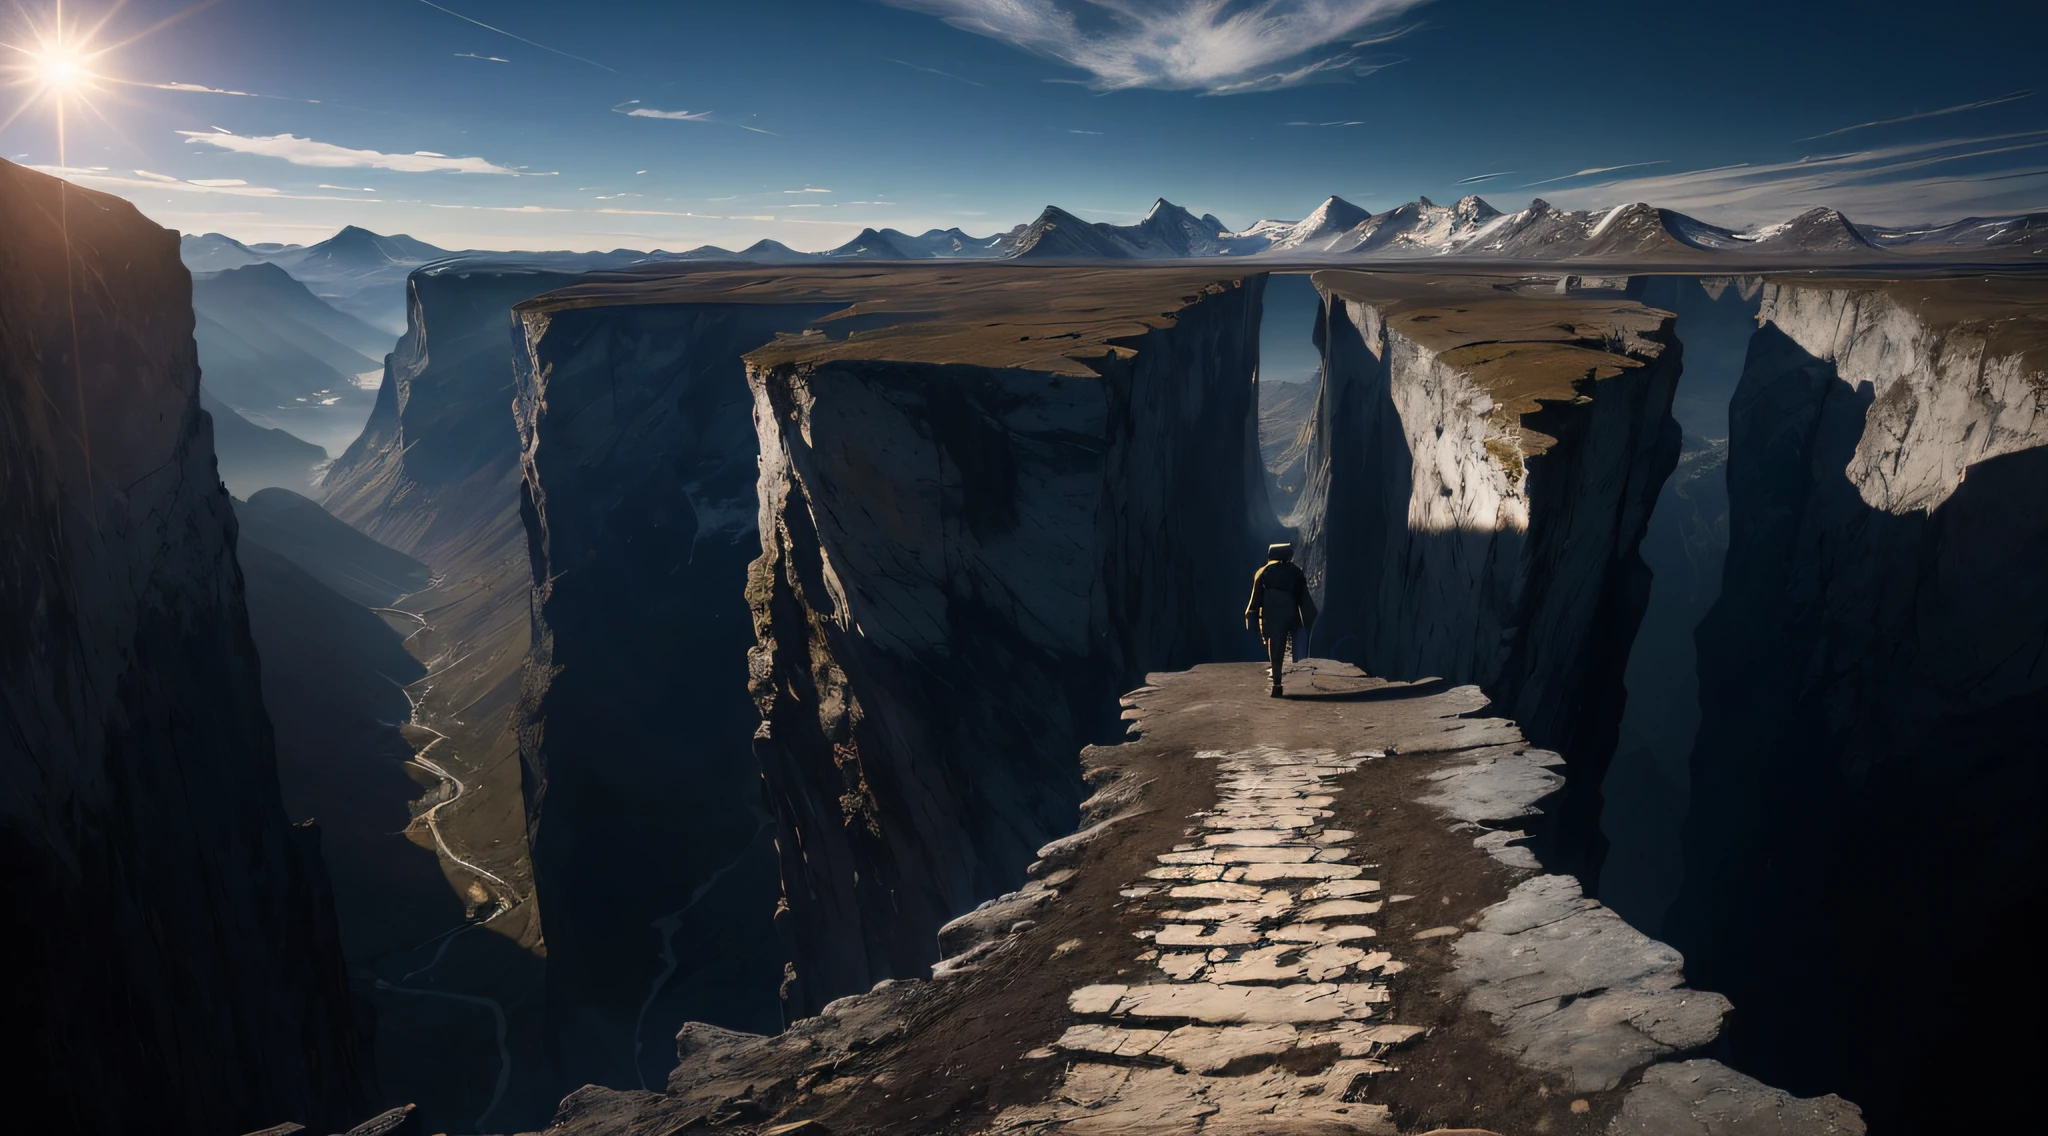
(58, 69)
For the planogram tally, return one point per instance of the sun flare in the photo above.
(58, 69)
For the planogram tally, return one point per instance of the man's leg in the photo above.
(1276, 649)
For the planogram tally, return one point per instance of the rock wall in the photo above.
(173, 964)
(653, 854)
(1872, 683)
(1480, 477)
(961, 567)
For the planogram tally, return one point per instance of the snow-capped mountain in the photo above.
(1312, 234)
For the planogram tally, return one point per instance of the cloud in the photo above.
(520, 38)
(932, 71)
(363, 188)
(1097, 133)
(632, 108)
(504, 208)
(1341, 122)
(196, 88)
(1978, 105)
(482, 58)
(325, 155)
(1902, 184)
(1214, 46)
(807, 189)
(1476, 178)
(149, 180)
(1596, 170)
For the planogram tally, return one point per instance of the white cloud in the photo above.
(326, 155)
(483, 58)
(148, 180)
(1596, 170)
(1978, 105)
(807, 189)
(633, 109)
(1885, 185)
(197, 88)
(1217, 46)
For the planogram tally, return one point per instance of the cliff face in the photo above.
(639, 458)
(961, 566)
(1872, 683)
(172, 958)
(1481, 473)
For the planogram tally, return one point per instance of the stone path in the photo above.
(1263, 1005)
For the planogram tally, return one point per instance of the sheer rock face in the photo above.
(639, 459)
(1873, 672)
(962, 565)
(172, 959)
(1481, 473)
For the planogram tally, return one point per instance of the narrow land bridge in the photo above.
(1305, 916)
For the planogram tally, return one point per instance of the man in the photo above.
(1281, 603)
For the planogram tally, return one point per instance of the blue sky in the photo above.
(638, 123)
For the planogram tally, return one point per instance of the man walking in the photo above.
(1281, 603)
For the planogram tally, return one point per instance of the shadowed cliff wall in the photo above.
(1873, 679)
(653, 852)
(962, 567)
(171, 956)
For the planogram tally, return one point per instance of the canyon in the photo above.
(835, 665)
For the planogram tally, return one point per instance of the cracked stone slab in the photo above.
(1706, 1098)
(1576, 989)
(1206, 1049)
(1264, 872)
(1228, 1004)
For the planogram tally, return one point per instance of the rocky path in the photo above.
(1266, 967)
(1280, 917)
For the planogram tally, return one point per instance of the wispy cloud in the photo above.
(201, 89)
(326, 155)
(520, 38)
(1097, 133)
(933, 71)
(1904, 184)
(1596, 170)
(632, 108)
(1958, 109)
(807, 189)
(1339, 122)
(1215, 46)
(1477, 178)
(358, 188)
(484, 58)
(150, 180)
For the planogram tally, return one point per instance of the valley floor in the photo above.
(1304, 915)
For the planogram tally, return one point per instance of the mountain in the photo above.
(213, 252)
(336, 554)
(252, 457)
(2028, 231)
(892, 244)
(1168, 232)
(355, 249)
(1313, 233)
(283, 357)
(361, 272)
(1814, 231)
(266, 293)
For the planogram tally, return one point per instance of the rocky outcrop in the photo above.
(1872, 685)
(171, 952)
(962, 564)
(1480, 475)
(639, 458)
